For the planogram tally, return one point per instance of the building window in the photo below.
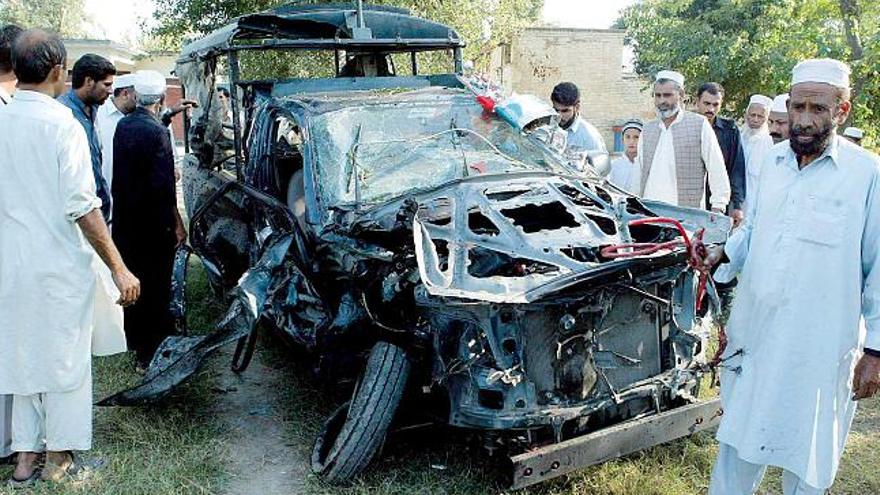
(618, 139)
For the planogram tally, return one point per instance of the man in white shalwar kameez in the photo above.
(808, 255)
(57, 296)
(8, 81)
(755, 131)
(755, 136)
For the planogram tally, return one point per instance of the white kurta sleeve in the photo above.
(77, 179)
(719, 183)
(871, 265)
(637, 180)
(737, 246)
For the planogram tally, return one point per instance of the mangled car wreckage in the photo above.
(418, 243)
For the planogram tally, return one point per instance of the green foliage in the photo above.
(750, 46)
(484, 24)
(65, 17)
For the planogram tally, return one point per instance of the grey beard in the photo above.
(665, 114)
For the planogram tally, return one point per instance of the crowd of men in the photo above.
(78, 164)
(803, 334)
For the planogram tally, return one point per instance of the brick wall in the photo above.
(540, 58)
(173, 96)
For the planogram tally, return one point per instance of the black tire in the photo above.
(355, 432)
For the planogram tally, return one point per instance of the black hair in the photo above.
(566, 93)
(713, 88)
(93, 66)
(8, 33)
(223, 91)
(35, 53)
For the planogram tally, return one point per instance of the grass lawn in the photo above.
(175, 447)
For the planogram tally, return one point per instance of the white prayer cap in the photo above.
(123, 81)
(762, 100)
(149, 82)
(672, 76)
(632, 124)
(779, 104)
(821, 70)
(853, 132)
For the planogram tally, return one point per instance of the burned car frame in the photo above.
(415, 243)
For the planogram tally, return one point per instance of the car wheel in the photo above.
(355, 432)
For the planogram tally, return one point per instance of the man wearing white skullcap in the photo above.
(678, 151)
(854, 134)
(755, 136)
(147, 226)
(624, 169)
(808, 256)
(754, 130)
(110, 113)
(778, 120)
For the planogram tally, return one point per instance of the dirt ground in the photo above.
(263, 461)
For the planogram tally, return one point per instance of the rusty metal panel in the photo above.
(610, 443)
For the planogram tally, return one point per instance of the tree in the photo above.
(750, 46)
(484, 24)
(65, 17)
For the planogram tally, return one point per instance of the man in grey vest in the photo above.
(678, 150)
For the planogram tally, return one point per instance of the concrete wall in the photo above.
(540, 58)
(163, 62)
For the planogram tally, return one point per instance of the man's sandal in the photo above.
(79, 469)
(26, 483)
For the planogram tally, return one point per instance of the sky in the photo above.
(122, 24)
(594, 14)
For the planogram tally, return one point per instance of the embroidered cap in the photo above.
(632, 124)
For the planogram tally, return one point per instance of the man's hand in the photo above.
(866, 379)
(184, 105)
(738, 216)
(713, 255)
(180, 233)
(129, 287)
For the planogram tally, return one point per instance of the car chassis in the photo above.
(520, 298)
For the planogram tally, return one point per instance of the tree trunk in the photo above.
(849, 10)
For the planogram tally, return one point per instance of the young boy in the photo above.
(624, 173)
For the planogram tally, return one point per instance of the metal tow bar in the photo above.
(610, 443)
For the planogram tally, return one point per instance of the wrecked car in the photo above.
(415, 243)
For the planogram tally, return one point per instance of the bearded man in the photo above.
(91, 84)
(678, 150)
(808, 259)
(580, 134)
(755, 134)
(777, 122)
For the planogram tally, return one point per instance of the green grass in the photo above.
(175, 447)
(169, 448)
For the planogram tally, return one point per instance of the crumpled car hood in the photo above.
(501, 239)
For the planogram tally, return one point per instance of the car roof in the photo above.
(325, 102)
(327, 26)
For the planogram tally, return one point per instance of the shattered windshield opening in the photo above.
(372, 153)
